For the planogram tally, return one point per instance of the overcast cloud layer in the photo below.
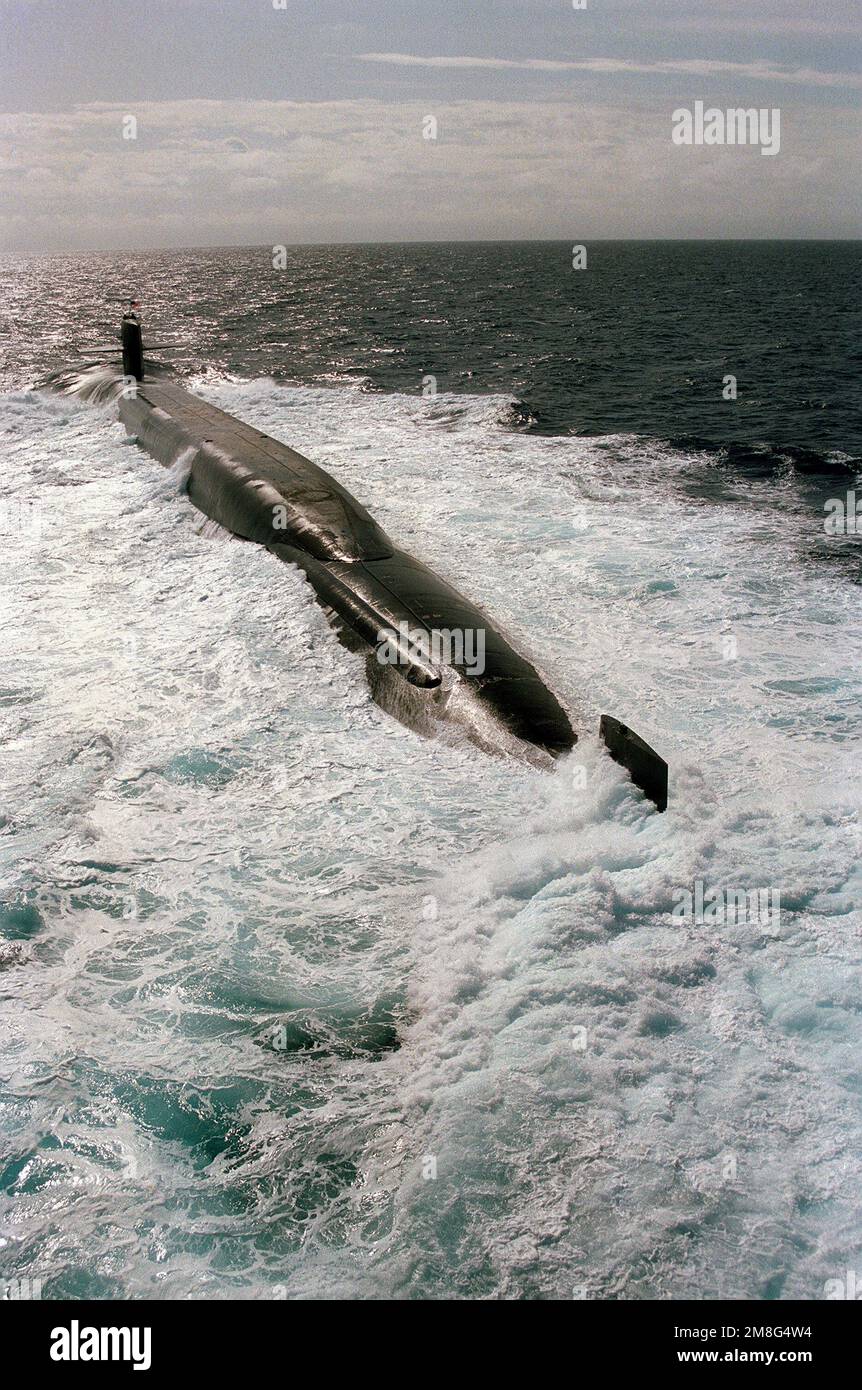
(548, 123)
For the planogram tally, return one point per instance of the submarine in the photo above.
(434, 660)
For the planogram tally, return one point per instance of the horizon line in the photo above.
(442, 241)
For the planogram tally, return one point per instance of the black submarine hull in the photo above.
(381, 600)
(377, 595)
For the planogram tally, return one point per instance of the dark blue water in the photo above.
(640, 341)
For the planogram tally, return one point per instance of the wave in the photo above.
(92, 381)
(765, 460)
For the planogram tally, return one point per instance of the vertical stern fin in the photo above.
(647, 770)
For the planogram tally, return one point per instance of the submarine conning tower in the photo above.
(133, 346)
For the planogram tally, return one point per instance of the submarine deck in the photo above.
(264, 491)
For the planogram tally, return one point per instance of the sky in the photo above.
(129, 124)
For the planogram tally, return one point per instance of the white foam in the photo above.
(221, 831)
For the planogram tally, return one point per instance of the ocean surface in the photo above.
(295, 1004)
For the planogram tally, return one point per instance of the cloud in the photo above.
(221, 172)
(691, 67)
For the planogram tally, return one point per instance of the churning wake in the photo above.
(298, 1004)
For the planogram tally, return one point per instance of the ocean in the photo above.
(295, 1004)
